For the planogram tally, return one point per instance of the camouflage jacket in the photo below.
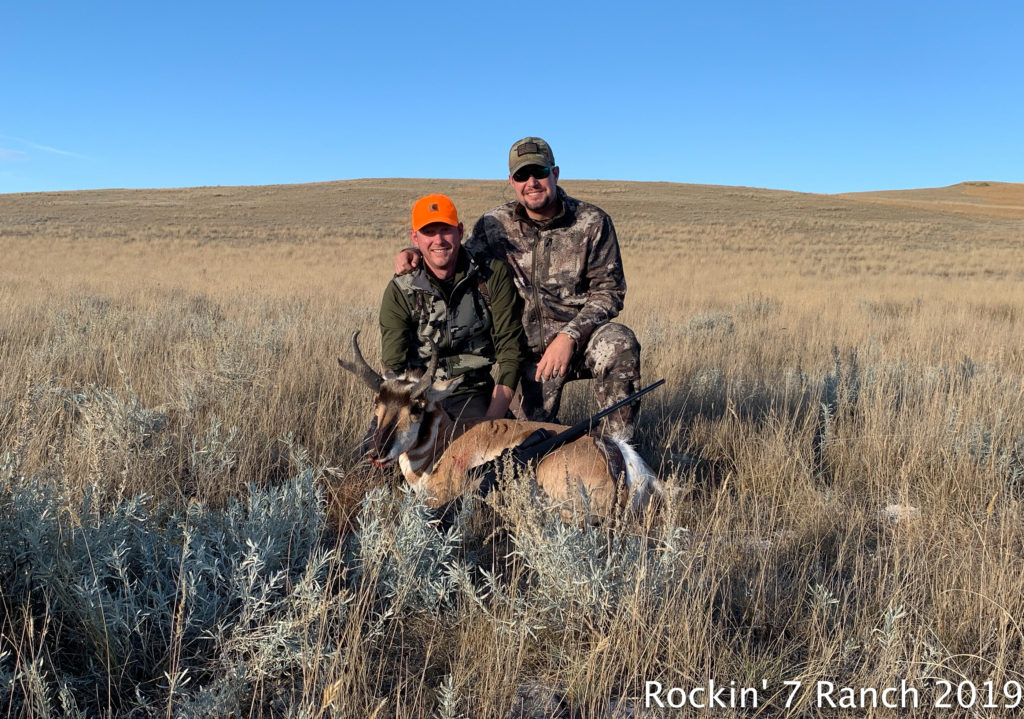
(567, 269)
(474, 320)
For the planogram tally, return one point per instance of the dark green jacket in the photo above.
(475, 320)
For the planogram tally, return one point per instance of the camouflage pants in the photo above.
(611, 358)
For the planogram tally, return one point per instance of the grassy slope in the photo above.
(827, 356)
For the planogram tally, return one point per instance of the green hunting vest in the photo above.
(460, 325)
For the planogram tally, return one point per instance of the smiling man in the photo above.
(564, 257)
(467, 306)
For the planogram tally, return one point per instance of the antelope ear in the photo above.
(442, 388)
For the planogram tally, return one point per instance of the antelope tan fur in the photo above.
(602, 476)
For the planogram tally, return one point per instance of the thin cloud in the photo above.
(12, 155)
(42, 148)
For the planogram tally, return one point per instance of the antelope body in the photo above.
(602, 476)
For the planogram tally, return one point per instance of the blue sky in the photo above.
(809, 96)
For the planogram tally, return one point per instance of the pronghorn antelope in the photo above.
(602, 475)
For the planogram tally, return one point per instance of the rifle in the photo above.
(542, 441)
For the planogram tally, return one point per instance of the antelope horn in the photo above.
(360, 368)
(428, 377)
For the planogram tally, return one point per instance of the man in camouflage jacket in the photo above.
(565, 261)
(466, 306)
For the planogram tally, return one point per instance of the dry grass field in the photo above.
(185, 528)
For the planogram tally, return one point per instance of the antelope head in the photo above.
(407, 408)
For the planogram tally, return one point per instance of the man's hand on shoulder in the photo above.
(406, 261)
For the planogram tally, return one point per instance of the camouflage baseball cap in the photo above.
(530, 151)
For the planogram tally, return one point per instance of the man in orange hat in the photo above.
(466, 306)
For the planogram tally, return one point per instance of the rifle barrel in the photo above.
(581, 428)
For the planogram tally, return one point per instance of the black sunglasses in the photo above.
(536, 171)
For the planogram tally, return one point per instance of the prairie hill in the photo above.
(994, 199)
(378, 209)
